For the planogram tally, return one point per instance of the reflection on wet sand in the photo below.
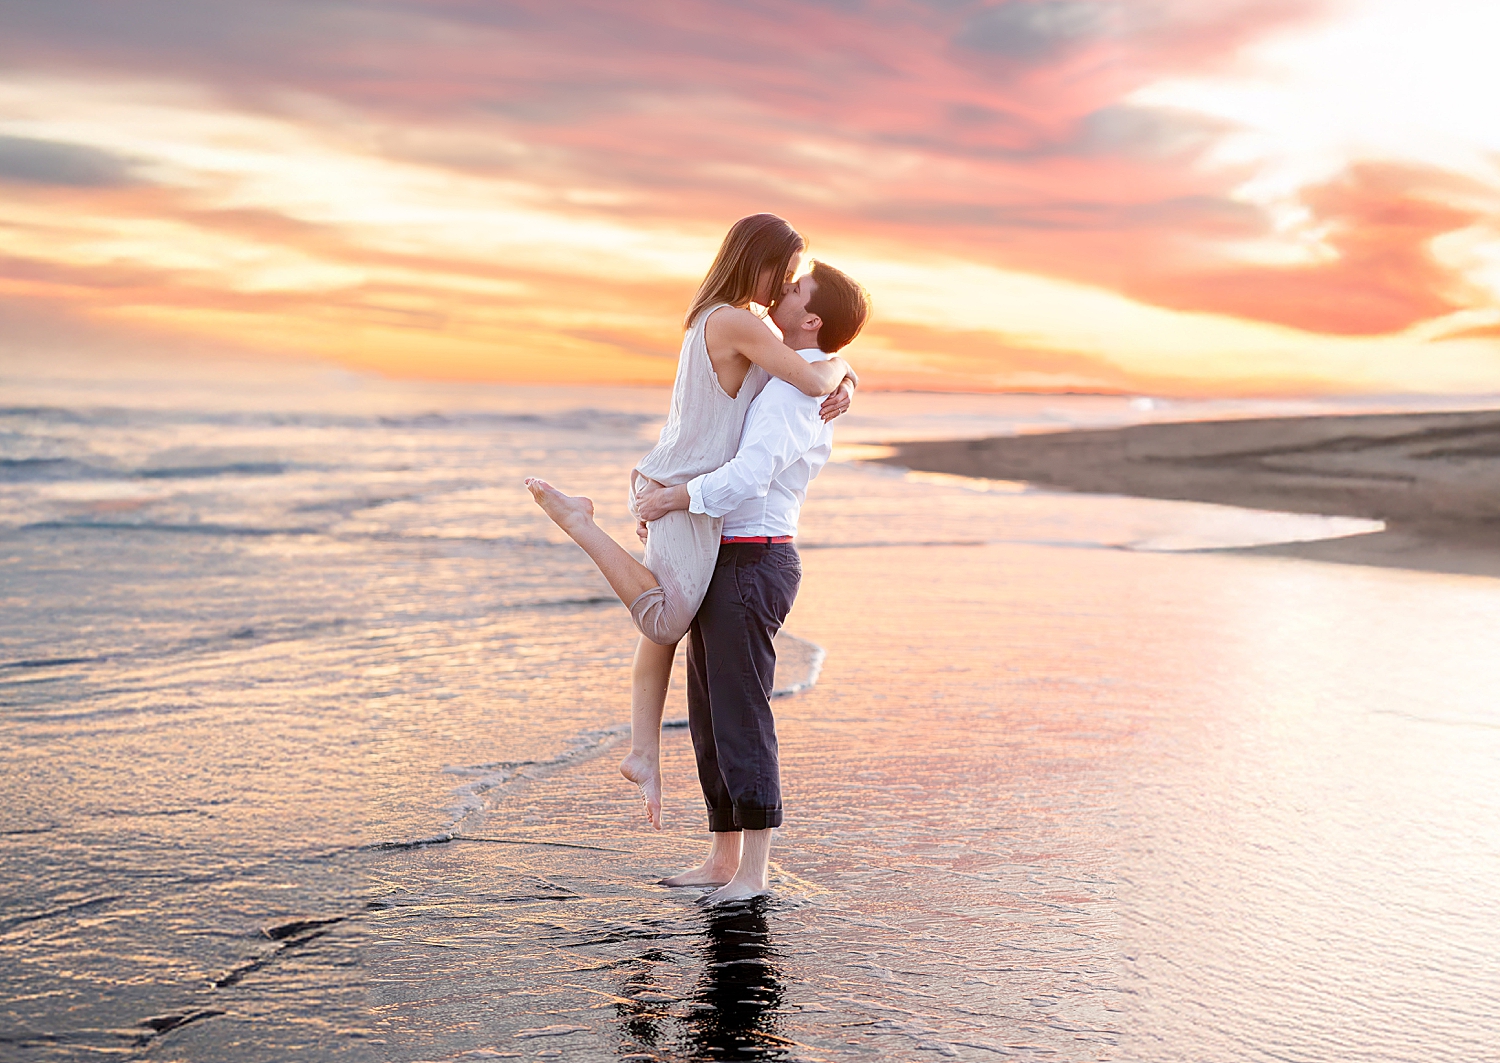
(734, 1010)
(1043, 803)
(740, 990)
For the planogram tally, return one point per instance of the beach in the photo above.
(311, 720)
(1134, 687)
(1432, 478)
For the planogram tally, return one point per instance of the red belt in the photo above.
(755, 538)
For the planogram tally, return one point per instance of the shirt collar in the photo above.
(814, 354)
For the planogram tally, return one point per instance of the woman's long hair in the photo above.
(755, 244)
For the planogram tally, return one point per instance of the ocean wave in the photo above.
(54, 470)
(471, 800)
(244, 636)
(798, 665)
(799, 662)
(198, 472)
(48, 470)
(878, 544)
(583, 418)
(48, 662)
(353, 504)
(557, 603)
(53, 413)
(172, 529)
(518, 539)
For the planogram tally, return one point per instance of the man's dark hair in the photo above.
(843, 305)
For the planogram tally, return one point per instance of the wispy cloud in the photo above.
(1040, 192)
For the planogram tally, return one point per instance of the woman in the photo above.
(726, 356)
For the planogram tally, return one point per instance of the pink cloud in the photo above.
(993, 130)
(1380, 220)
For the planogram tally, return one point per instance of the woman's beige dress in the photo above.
(702, 433)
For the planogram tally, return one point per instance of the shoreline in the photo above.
(1434, 478)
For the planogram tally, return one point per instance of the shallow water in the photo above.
(1056, 794)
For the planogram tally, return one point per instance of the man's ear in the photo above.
(812, 323)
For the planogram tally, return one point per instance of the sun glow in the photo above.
(1393, 82)
(1338, 227)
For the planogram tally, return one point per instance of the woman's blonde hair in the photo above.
(754, 245)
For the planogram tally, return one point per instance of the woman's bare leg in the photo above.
(652, 670)
(574, 514)
(649, 678)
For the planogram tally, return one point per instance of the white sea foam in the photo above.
(798, 664)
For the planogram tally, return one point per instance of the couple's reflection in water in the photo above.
(735, 1009)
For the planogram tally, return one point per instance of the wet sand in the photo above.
(309, 744)
(1068, 805)
(1434, 478)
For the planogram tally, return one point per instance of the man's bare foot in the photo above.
(735, 890)
(751, 878)
(647, 778)
(568, 512)
(705, 874)
(721, 865)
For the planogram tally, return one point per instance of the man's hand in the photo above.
(656, 502)
(837, 402)
(640, 530)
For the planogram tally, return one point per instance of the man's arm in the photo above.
(780, 428)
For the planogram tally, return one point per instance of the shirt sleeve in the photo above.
(781, 426)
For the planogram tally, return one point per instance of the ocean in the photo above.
(311, 721)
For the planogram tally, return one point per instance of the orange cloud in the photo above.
(1382, 275)
(419, 187)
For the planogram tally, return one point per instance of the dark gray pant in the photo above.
(731, 669)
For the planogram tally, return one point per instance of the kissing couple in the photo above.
(716, 502)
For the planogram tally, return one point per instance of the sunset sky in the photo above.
(1168, 196)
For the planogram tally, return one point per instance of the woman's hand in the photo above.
(656, 502)
(641, 531)
(837, 402)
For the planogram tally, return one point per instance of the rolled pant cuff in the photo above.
(758, 818)
(722, 822)
(730, 821)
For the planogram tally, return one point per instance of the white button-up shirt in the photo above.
(783, 445)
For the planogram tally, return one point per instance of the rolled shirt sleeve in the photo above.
(781, 426)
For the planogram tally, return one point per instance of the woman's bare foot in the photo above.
(735, 890)
(647, 778)
(571, 513)
(574, 514)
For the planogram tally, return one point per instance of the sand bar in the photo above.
(1434, 478)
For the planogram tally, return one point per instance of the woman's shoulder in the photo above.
(727, 320)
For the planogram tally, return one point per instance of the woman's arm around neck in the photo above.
(738, 332)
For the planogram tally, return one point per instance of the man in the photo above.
(731, 658)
